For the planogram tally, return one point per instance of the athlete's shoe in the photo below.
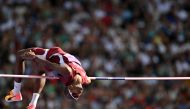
(31, 106)
(11, 97)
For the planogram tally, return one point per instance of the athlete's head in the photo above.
(76, 89)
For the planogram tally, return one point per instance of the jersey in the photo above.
(58, 56)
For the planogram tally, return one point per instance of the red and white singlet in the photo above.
(57, 55)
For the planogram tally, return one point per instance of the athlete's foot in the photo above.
(31, 106)
(11, 97)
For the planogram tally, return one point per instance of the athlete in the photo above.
(55, 60)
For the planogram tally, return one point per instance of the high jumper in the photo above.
(55, 60)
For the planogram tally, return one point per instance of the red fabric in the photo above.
(53, 51)
(66, 78)
(38, 51)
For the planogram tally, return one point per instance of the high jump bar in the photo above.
(95, 78)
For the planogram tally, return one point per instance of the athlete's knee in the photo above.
(21, 52)
(18, 54)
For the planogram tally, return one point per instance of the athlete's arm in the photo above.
(36, 54)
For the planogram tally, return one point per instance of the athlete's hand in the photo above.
(29, 55)
(88, 80)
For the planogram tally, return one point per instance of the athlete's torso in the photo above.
(57, 55)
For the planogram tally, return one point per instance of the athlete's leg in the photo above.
(15, 95)
(38, 69)
(20, 65)
(39, 84)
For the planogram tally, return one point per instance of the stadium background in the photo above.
(111, 38)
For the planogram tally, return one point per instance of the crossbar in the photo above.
(28, 76)
(95, 78)
(140, 78)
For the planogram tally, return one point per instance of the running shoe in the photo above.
(31, 106)
(11, 97)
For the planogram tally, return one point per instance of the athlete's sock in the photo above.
(35, 98)
(17, 87)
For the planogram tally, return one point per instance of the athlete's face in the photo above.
(75, 90)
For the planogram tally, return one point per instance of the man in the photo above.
(53, 60)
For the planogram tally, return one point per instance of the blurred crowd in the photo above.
(142, 38)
